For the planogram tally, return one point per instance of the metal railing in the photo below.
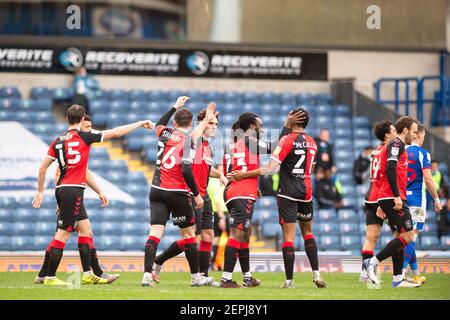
(439, 99)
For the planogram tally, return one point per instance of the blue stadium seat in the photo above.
(8, 202)
(114, 215)
(345, 178)
(101, 95)
(47, 215)
(304, 98)
(23, 228)
(157, 96)
(7, 215)
(137, 190)
(328, 242)
(131, 243)
(361, 122)
(360, 144)
(362, 133)
(445, 242)
(6, 228)
(41, 92)
(267, 202)
(271, 230)
(136, 177)
(117, 177)
(250, 97)
(11, 104)
(43, 104)
(349, 228)
(348, 215)
(325, 110)
(99, 119)
(98, 153)
(342, 110)
(431, 216)
(288, 98)
(323, 98)
(118, 94)
(344, 166)
(138, 95)
(362, 229)
(384, 240)
(41, 242)
(45, 228)
(430, 243)
(120, 107)
(350, 202)
(99, 106)
(331, 229)
(28, 105)
(62, 94)
(22, 243)
(131, 228)
(137, 108)
(166, 241)
(266, 216)
(349, 242)
(26, 215)
(9, 92)
(270, 98)
(108, 228)
(136, 215)
(108, 243)
(5, 242)
(326, 215)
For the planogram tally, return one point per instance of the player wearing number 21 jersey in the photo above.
(71, 150)
(295, 157)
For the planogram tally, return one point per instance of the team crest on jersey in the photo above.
(395, 151)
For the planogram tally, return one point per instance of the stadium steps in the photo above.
(258, 246)
(117, 152)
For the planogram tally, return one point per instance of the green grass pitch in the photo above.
(176, 286)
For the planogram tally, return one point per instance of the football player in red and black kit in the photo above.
(91, 183)
(172, 186)
(240, 196)
(202, 169)
(71, 150)
(295, 155)
(392, 201)
(384, 131)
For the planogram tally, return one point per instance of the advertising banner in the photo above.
(170, 62)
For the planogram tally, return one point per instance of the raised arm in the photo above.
(200, 128)
(126, 129)
(164, 120)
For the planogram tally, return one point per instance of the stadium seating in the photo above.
(124, 227)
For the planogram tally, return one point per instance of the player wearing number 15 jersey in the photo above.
(71, 150)
(384, 131)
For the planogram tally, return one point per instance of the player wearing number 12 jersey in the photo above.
(384, 131)
(71, 151)
(295, 156)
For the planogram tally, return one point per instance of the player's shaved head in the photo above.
(183, 117)
(75, 114)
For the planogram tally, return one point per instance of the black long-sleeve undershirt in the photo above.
(164, 120)
(188, 176)
(391, 173)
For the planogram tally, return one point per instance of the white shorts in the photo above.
(418, 215)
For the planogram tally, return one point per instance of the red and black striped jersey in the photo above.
(395, 150)
(375, 175)
(296, 153)
(71, 150)
(243, 155)
(201, 167)
(174, 147)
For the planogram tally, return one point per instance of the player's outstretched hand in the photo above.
(211, 112)
(235, 176)
(380, 213)
(103, 199)
(199, 202)
(181, 101)
(37, 201)
(398, 204)
(293, 119)
(148, 124)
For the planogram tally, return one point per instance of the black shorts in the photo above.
(204, 217)
(400, 221)
(163, 203)
(71, 207)
(217, 230)
(241, 213)
(371, 214)
(289, 211)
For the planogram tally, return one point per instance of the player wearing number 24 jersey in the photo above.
(71, 150)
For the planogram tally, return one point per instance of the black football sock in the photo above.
(150, 252)
(43, 271)
(173, 250)
(397, 262)
(95, 264)
(204, 256)
(56, 253)
(244, 257)
(231, 251)
(311, 251)
(191, 252)
(366, 254)
(391, 248)
(289, 259)
(85, 253)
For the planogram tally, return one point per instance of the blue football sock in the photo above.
(409, 251)
(413, 260)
